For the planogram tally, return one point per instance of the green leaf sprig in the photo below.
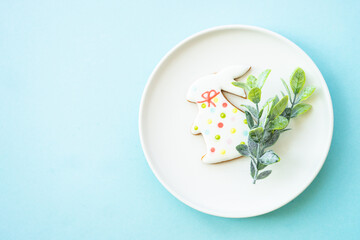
(300, 94)
(266, 124)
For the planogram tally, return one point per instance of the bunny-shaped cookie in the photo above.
(221, 124)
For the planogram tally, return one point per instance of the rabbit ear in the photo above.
(232, 72)
(227, 76)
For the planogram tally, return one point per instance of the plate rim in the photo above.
(146, 92)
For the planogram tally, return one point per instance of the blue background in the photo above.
(71, 78)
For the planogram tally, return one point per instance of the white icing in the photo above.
(232, 129)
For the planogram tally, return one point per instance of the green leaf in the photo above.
(269, 157)
(297, 80)
(243, 149)
(261, 166)
(252, 169)
(252, 146)
(251, 81)
(264, 174)
(256, 134)
(286, 113)
(274, 102)
(306, 93)
(286, 87)
(267, 135)
(278, 108)
(278, 123)
(284, 130)
(261, 112)
(269, 101)
(270, 138)
(241, 85)
(249, 119)
(262, 78)
(255, 95)
(252, 110)
(299, 109)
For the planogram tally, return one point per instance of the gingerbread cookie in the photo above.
(220, 123)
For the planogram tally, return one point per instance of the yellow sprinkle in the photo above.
(222, 152)
(203, 105)
(245, 121)
(209, 121)
(233, 130)
(235, 110)
(196, 128)
(242, 143)
(216, 100)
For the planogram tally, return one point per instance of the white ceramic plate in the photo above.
(174, 154)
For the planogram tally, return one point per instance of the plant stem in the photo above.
(293, 103)
(258, 113)
(255, 176)
(258, 147)
(253, 162)
(256, 165)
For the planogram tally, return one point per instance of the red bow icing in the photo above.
(208, 96)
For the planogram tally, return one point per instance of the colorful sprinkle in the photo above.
(242, 143)
(203, 105)
(212, 110)
(222, 115)
(217, 137)
(209, 121)
(196, 128)
(207, 132)
(246, 133)
(224, 105)
(235, 110)
(212, 149)
(216, 100)
(223, 152)
(233, 130)
(220, 124)
(229, 141)
(245, 121)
